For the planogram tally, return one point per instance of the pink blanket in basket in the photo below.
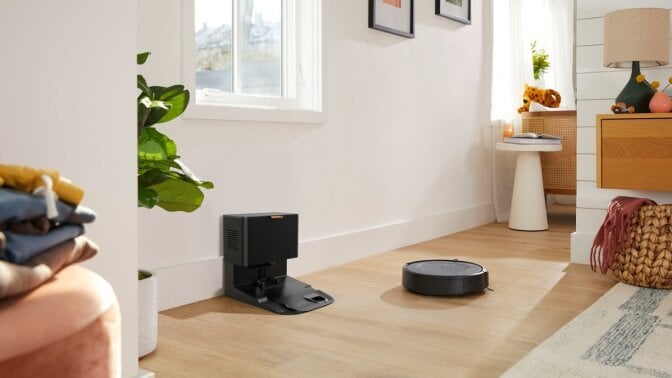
(613, 235)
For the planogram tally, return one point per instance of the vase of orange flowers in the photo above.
(660, 102)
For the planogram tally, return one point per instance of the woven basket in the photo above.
(647, 261)
(558, 168)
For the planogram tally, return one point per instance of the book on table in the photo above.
(533, 138)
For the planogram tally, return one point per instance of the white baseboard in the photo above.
(580, 245)
(190, 282)
(334, 250)
(195, 281)
(142, 373)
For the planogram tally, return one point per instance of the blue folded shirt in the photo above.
(16, 206)
(21, 248)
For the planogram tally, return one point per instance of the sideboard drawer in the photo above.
(634, 151)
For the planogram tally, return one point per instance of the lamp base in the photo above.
(636, 94)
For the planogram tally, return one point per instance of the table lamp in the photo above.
(636, 38)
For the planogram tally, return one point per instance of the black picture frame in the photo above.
(376, 23)
(447, 8)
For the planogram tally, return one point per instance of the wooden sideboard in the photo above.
(634, 151)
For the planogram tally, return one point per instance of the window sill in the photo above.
(254, 113)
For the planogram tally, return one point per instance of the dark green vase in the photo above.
(636, 94)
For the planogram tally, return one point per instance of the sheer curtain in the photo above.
(516, 23)
(561, 49)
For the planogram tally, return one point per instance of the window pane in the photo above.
(261, 47)
(214, 58)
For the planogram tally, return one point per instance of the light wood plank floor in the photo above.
(376, 328)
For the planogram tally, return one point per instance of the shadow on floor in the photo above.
(562, 214)
(220, 304)
(401, 297)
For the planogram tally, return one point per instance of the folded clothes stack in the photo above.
(41, 227)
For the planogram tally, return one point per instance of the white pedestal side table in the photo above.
(528, 204)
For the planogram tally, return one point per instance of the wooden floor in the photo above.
(376, 328)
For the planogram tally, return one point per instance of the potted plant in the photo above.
(540, 63)
(163, 181)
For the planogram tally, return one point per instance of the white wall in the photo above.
(68, 102)
(597, 88)
(404, 156)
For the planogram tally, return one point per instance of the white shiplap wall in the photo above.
(597, 87)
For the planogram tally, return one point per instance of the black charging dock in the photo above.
(256, 249)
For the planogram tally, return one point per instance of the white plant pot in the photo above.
(148, 315)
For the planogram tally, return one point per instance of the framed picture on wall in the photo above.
(392, 16)
(458, 10)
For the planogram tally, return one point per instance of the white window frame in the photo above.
(303, 73)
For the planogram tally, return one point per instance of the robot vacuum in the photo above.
(444, 277)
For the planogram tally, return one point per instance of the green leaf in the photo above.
(147, 197)
(162, 166)
(152, 177)
(142, 57)
(178, 99)
(142, 274)
(153, 145)
(170, 92)
(149, 112)
(178, 195)
(191, 176)
(142, 85)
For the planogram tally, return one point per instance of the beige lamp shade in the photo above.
(637, 35)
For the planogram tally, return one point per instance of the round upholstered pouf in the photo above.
(444, 277)
(68, 327)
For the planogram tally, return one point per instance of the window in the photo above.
(254, 59)
(516, 24)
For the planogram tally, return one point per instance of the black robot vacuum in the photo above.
(444, 277)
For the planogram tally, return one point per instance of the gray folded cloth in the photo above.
(16, 206)
(20, 248)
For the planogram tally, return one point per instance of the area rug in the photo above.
(626, 333)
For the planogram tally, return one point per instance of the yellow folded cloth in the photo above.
(27, 179)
